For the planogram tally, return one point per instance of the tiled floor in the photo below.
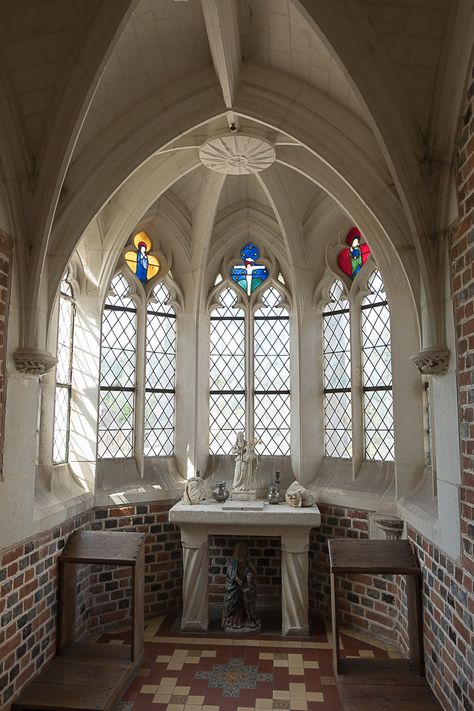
(224, 673)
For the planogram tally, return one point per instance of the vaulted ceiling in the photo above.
(106, 105)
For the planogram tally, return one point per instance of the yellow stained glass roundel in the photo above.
(141, 262)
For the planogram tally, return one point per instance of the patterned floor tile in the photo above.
(215, 672)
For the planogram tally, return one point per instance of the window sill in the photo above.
(372, 490)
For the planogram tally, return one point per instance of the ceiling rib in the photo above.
(222, 25)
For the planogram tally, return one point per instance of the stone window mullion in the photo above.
(140, 386)
(356, 389)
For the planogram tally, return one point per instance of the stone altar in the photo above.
(242, 518)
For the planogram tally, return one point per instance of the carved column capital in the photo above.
(432, 361)
(31, 362)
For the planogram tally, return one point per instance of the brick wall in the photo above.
(366, 602)
(265, 555)
(28, 606)
(448, 617)
(462, 281)
(111, 587)
(29, 588)
(448, 593)
(5, 278)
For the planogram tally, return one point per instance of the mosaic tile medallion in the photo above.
(233, 676)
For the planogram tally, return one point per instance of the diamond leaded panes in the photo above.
(117, 373)
(272, 376)
(377, 372)
(115, 438)
(61, 424)
(62, 400)
(337, 375)
(160, 375)
(227, 374)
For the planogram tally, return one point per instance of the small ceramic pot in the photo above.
(220, 492)
(274, 495)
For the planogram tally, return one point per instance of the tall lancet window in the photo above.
(337, 375)
(271, 403)
(377, 372)
(250, 361)
(160, 374)
(227, 373)
(117, 373)
(358, 402)
(62, 400)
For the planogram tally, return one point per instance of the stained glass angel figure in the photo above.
(249, 275)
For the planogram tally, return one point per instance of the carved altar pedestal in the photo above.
(245, 519)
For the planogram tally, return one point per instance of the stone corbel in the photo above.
(392, 526)
(432, 361)
(31, 363)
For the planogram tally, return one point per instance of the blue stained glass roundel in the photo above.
(250, 274)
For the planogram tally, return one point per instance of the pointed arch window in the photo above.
(160, 375)
(137, 380)
(358, 401)
(227, 373)
(271, 394)
(250, 363)
(377, 372)
(337, 375)
(117, 373)
(63, 390)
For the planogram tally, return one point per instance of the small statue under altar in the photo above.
(240, 606)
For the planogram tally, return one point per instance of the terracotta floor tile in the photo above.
(258, 673)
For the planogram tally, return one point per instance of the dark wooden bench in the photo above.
(86, 676)
(391, 684)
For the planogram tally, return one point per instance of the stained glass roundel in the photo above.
(250, 274)
(143, 264)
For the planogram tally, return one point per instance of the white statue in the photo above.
(246, 463)
(251, 460)
(240, 470)
(297, 496)
(194, 491)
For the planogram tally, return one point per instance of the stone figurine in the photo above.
(194, 491)
(297, 496)
(240, 470)
(240, 604)
(246, 464)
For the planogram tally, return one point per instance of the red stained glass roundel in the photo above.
(352, 258)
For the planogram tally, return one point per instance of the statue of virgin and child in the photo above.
(239, 614)
(246, 464)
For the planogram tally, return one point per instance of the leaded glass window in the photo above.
(160, 375)
(337, 375)
(117, 373)
(250, 374)
(377, 372)
(62, 400)
(272, 376)
(227, 374)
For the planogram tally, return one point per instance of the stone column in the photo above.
(294, 582)
(195, 580)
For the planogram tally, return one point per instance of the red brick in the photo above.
(12, 555)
